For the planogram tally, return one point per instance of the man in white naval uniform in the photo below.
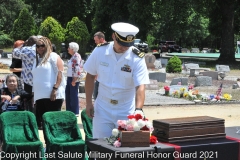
(122, 75)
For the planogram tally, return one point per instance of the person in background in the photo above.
(73, 73)
(27, 53)
(16, 66)
(11, 96)
(99, 38)
(122, 75)
(47, 74)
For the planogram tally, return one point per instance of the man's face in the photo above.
(98, 40)
(117, 47)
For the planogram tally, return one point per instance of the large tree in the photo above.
(24, 26)
(227, 36)
(63, 11)
(76, 31)
(52, 29)
(9, 11)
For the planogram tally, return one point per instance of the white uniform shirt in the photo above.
(115, 83)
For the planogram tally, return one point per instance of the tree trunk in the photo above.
(227, 52)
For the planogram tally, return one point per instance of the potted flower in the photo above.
(136, 126)
(167, 89)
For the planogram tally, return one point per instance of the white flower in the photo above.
(141, 123)
(131, 121)
(148, 124)
(115, 132)
(136, 127)
(139, 112)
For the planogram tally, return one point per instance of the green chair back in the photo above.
(87, 124)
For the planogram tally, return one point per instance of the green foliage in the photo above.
(53, 30)
(61, 10)
(9, 11)
(24, 26)
(174, 65)
(5, 40)
(76, 31)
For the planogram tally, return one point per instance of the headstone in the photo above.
(177, 88)
(222, 68)
(152, 86)
(189, 66)
(164, 61)
(150, 59)
(235, 86)
(159, 76)
(9, 56)
(158, 64)
(203, 81)
(183, 80)
(212, 74)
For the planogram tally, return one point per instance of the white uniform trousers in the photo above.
(107, 114)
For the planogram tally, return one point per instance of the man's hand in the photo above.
(90, 111)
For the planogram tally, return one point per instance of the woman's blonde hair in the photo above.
(48, 45)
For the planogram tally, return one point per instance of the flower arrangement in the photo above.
(176, 94)
(135, 122)
(190, 87)
(228, 97)
(167, 89)
(182, 90)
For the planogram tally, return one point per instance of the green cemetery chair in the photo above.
(87, 127)
(87, 124)
(62, 135)
(20, 134)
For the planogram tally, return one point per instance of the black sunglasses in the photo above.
(42, 45)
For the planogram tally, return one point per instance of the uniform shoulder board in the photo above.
(102, 44)
(138, 52)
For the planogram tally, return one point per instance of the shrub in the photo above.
(76, 31)
(52, 29)
(5, 40)
(174, 65)
(24, 26)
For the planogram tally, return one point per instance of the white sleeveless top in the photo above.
(44, 78)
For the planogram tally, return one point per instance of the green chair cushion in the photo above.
(62, 134)
(20, 133)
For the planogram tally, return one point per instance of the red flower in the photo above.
(217, 97)
(120, 128)
(153, 139)
(131, 116)
(138, 116)
(144, 128)
(167, 88)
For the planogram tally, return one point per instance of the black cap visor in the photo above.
(125, 44)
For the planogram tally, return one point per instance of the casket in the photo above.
(188, 129)
(135, 138)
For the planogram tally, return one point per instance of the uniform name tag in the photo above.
(104, 64)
